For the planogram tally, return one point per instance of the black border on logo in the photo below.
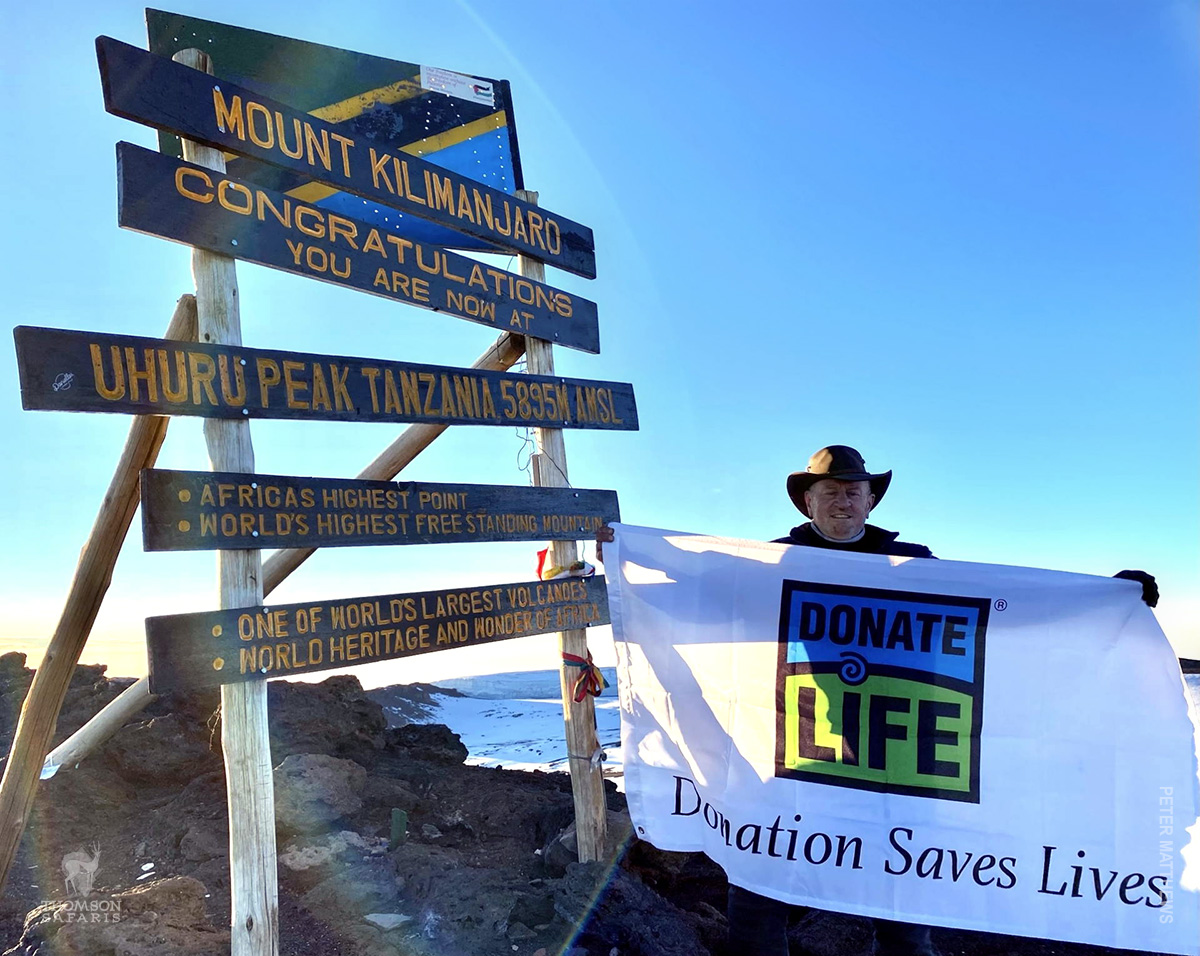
(982, 607)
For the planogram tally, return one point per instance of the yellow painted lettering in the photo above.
(378, 172)
(374, 244)
(182, 173)
(179, 392)
(316, 231)
(345, 145)
(292, 387)
(320, 391)
(317, 147)
(265, 140)
(268, 378)
(228, 115)
(283, 144)
(265, 203)
(371, 374)
(117, 391)
(202, 371)
(225, 187)
(340, 226)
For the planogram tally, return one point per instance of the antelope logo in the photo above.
(80, 870)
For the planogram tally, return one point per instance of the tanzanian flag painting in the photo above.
(461, 122)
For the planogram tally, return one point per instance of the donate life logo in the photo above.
(880, 690)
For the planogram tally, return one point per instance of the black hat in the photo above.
(835, 461)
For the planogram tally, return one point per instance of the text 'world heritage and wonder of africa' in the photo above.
(219, 647)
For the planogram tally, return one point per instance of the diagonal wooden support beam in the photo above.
(39, 715)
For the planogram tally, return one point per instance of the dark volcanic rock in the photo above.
(408, 703)
(163, 751)
(563, 850)
(435, 742)
(164, 918)
(617, 910)
(87, 696)
(15, 679)
(12, 668)
(313, 790)
(356, 889)
(334, 717)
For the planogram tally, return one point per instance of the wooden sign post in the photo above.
(254, 886)
(579, 716)
(233, 510)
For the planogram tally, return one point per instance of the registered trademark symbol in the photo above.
(1000, 604)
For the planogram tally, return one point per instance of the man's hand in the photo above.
(1149, 585)
(603, 533)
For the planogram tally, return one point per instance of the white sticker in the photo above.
(458, 84)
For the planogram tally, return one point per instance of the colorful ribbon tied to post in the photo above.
(590, 680)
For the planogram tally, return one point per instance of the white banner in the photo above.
(967, 745)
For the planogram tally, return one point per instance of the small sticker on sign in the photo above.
(458, 84)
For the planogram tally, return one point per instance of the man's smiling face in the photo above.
(839, 509)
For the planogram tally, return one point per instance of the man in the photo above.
(837, 493)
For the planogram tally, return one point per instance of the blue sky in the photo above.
(959, 236)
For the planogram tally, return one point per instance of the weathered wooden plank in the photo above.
(150, 89)
(245, 744)
(245, 644)
(186, 203)
(203, 511)
(63, 370)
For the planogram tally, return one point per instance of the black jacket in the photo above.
(874, 541)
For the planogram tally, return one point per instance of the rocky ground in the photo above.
(484, 869)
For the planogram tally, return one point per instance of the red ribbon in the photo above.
(590, 680)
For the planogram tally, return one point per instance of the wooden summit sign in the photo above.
(158, 92)
(243, 644)
(465, 123)
(172, 199)
(95, 372)
(202, 510)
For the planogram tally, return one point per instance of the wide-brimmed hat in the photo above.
(834, 461)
